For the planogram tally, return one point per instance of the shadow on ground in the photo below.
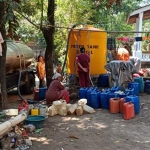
(98, 131)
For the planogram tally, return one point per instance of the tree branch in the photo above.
(28, 20)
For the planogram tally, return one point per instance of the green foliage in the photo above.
(27, 31)
(9, 15)
(115, 17)
(31, 8)
(11, 21)
(68, 13)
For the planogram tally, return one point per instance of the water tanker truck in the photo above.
(18, 73)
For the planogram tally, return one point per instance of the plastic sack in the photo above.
(123, 54)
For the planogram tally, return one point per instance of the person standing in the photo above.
(41, 73)
(83, 61)
(59, 70)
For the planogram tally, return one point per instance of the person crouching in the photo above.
(56, 90)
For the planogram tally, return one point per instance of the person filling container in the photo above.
(83, 61)
(56, 90)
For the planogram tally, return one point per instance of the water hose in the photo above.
(91, 79)
(90, 58)
(18, 87)
(72, 75)
(74, 70)
(68, 45)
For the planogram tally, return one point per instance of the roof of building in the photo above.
(135, 14)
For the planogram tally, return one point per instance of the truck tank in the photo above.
(18, 59)
(19, 56)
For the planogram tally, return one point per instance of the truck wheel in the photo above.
(29, 85)
(21, 90)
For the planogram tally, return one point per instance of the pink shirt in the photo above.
(53, 91)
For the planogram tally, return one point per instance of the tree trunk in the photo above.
(3, 92)
(48, 54)
(49, 38)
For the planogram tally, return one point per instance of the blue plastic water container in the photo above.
(115, 88)
(106, 90)
(147, 87)
(82, 93)
(95, 88)
(135, 86)
(42, 93)
(136, 101)
(104, 101)
(95, 100)
(141, 83)
(123, 95)
(88, 96)
(103, 80)
(99, 95)
(130, 91)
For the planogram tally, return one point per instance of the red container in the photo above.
(132, 112)
(114, 105)
(121, 102)
(128, 110)
(36, 95)
(23, 105)
(66, 97)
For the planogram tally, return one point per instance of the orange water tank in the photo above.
(114, 105)
(95, 42)
(122, 101)
(128, 110)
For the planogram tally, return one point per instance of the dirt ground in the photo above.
(98, 131)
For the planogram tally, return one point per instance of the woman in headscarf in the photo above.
(56, 90)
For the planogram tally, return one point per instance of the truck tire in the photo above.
(29, 85)
(21, 90)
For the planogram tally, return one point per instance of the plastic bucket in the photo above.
(103, 80)
(37, 121)
(42, 93)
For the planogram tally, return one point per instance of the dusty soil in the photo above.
(98, 131)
